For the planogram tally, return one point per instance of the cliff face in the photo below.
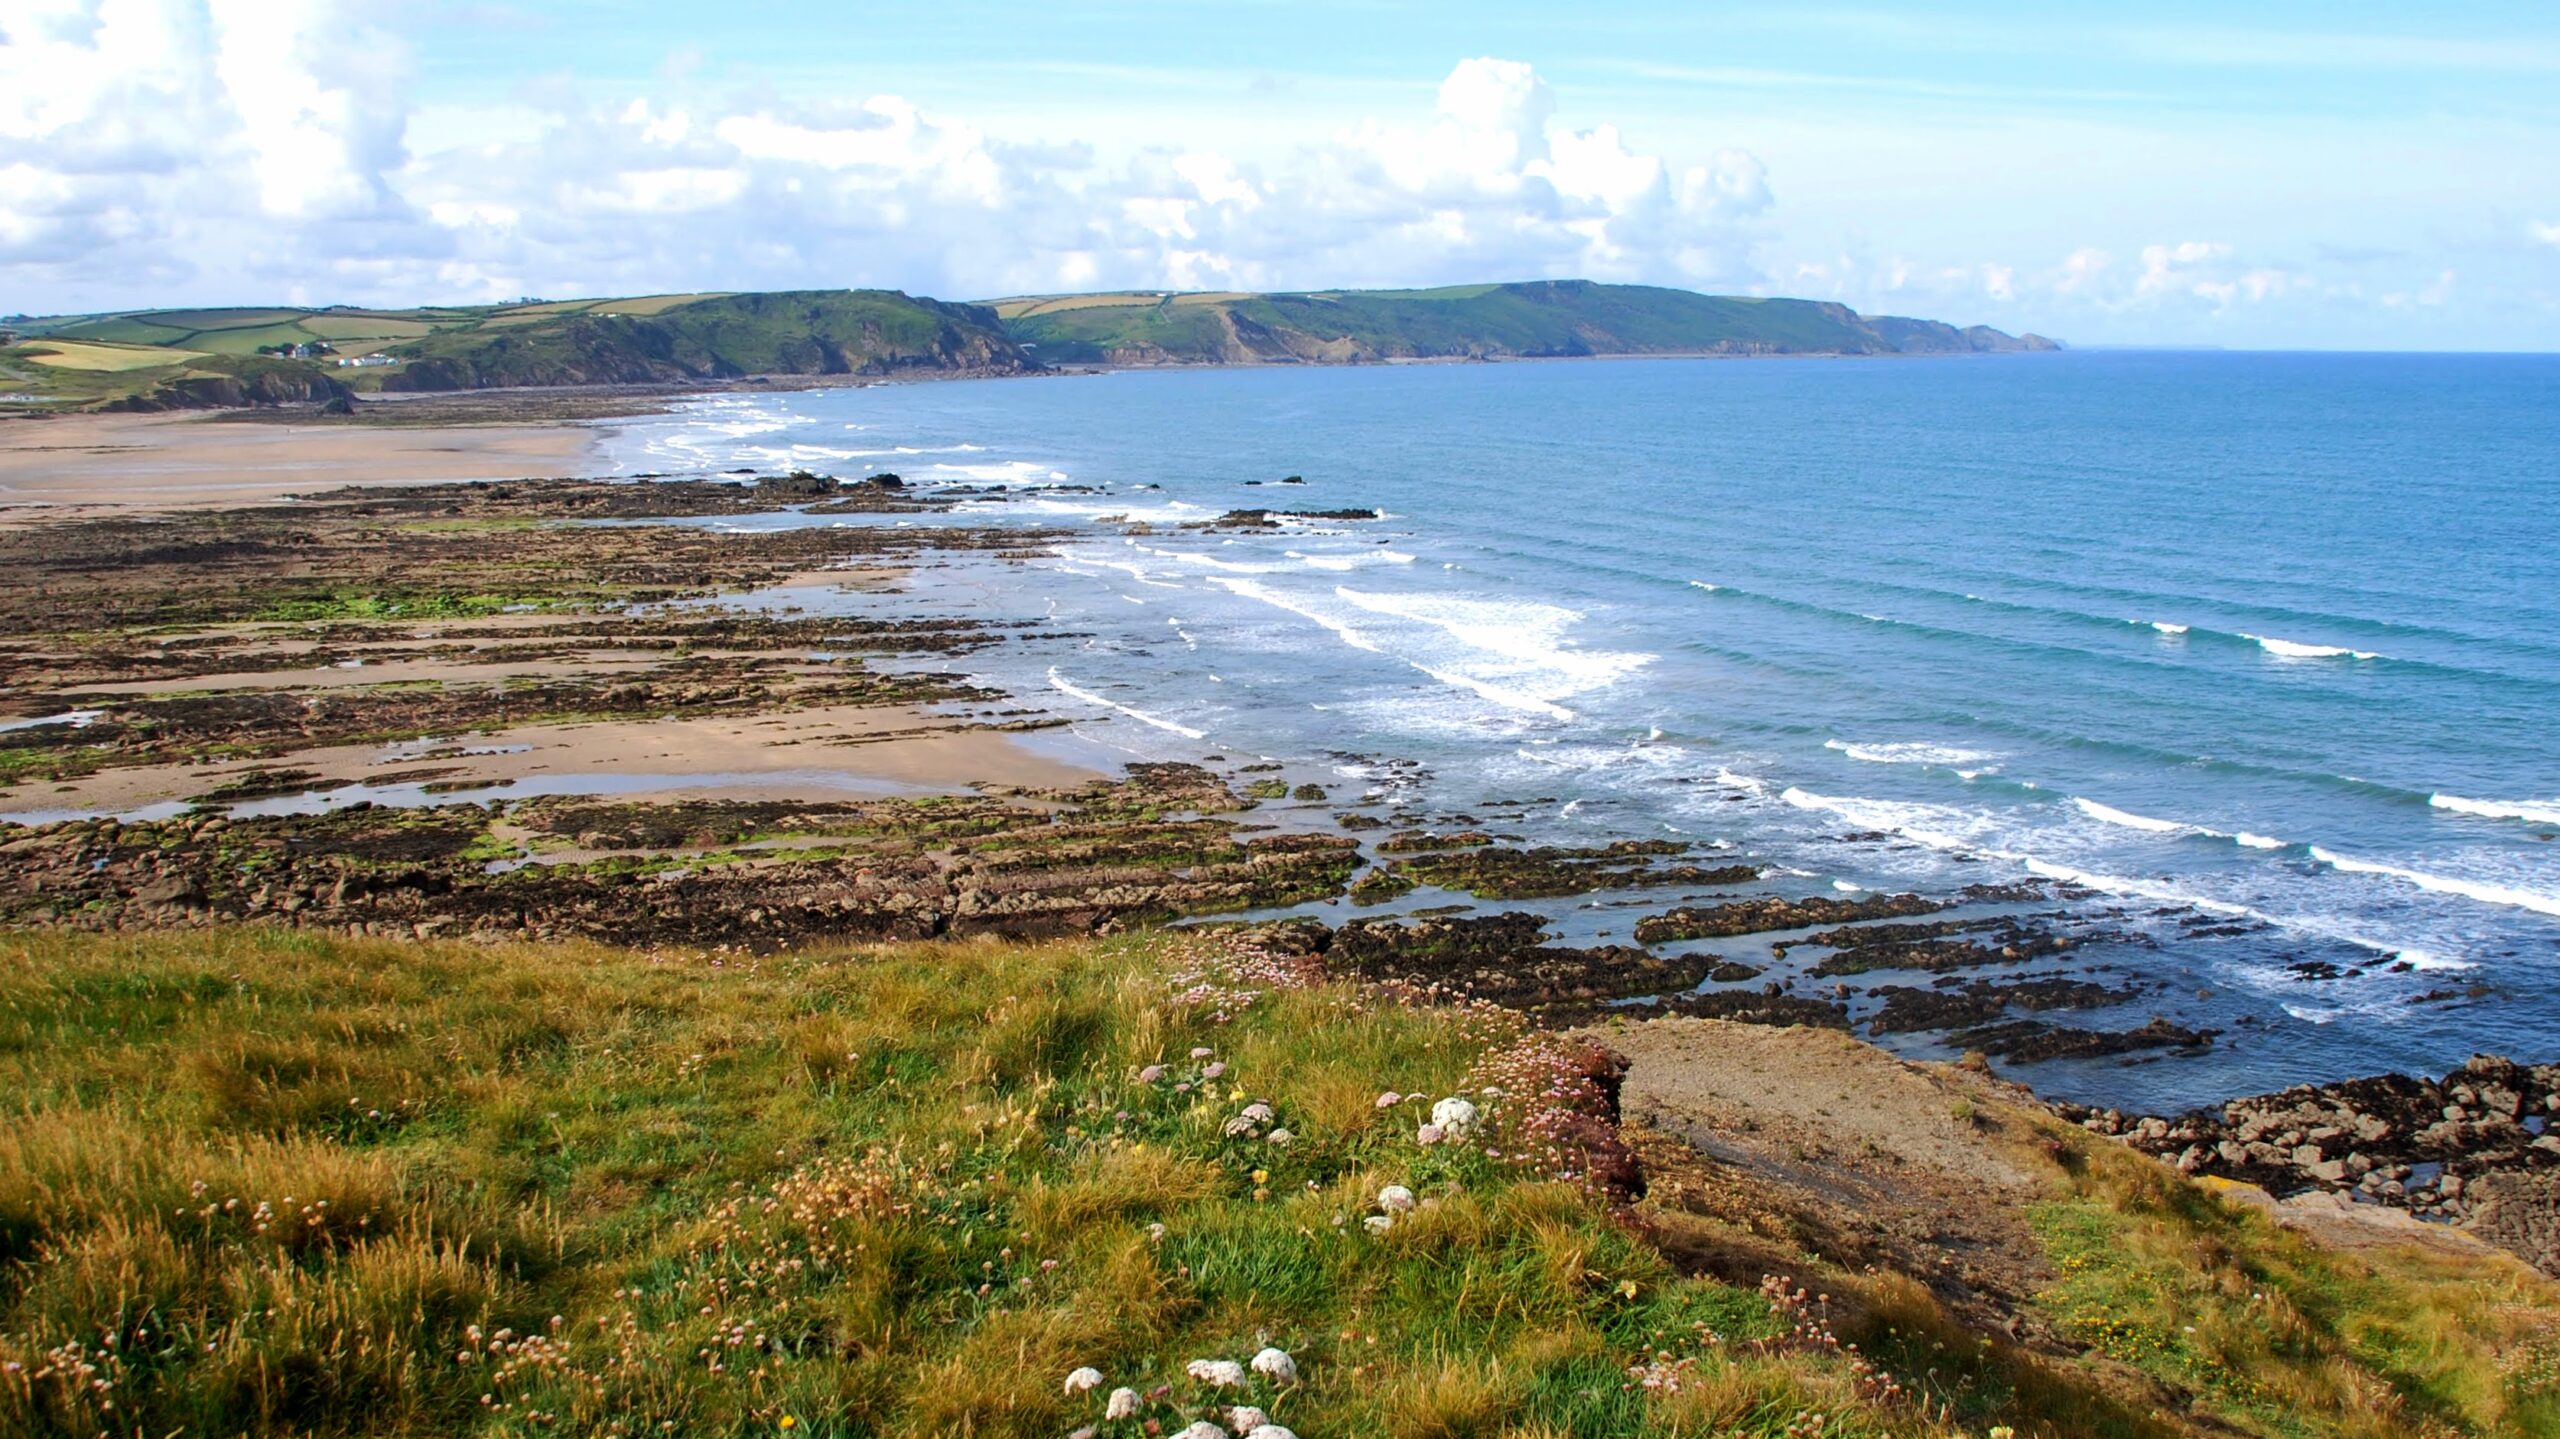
(833, 332)
(227, 382)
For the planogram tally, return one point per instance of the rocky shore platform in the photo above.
(532, 710)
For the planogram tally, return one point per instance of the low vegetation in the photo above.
(268, 1181)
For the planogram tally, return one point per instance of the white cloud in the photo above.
(176, 147)
(2548, 234)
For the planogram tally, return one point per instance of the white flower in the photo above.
(1427, 1134)
(1454, 1116)
(1086, 1378)
(1244, 1419)
(1395, 1199)
(1276, 1366)
(1203, 1429)
(1202, 1051)
(1258, 1112)
(1279, 1136)
(1379, 1223)
(1390, 1100)
(1224, 1373)
(1271, 1431)
(1123, 1404)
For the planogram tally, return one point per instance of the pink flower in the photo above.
(1151, 1074)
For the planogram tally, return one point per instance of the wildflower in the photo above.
(1270, 1431)
(1390, 1100)
(1155, 1234)
(1276, 1366)
(1122, 1404)
(1202, 1429)
(1202, 1052)
(1151, 1074)
(1427, 1134)
(1454, 1116)
(1279, 1136)
(1084, 1379)
(2003, 1431)
(1223, 1373)
(1379, 1223)
(1244, 1419)
(1214, 1070)
(788, 1422)
(1395, 1199)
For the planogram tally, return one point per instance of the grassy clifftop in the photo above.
(136, 357)
(264, 1181)
(149, 359)
(1546, 318)
(807, 332)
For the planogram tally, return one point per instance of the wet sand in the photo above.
(92, 465)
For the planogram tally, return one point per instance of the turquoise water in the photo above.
(2260, 653)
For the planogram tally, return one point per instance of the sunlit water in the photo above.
(2266, 646)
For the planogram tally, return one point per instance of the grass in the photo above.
(265, 1181)
(109, 358)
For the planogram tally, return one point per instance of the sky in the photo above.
(2281, 175)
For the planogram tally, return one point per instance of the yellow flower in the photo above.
(790, 1423)
(1627, 1287)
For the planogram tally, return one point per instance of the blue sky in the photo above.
(2332, 175)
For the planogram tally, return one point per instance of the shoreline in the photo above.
(76, 466)
(743, 763)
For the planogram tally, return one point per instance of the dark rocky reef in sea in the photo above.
(2473, 1148)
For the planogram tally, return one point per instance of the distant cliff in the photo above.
(802, 332)
(1535, 319)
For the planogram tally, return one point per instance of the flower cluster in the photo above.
(1554, 1111)
(1228, 973)
(1808, 1321)
(1394, 1201)
(1219, 1387)
(293, 1223)
(76, 1381)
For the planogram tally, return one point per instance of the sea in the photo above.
(2252, 659)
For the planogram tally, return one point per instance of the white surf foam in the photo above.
(1947, 756)
(2166, 628)
(1933, 827)
(1521, 630)
(2247, 840)
(1001, 472)
(77, 719)
(2108, 814)
(2485, 893)
(1355, 560)
(2295, 650)
(1069, 688)
(2531, 811)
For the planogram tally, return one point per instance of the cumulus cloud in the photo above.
(164, 149)
(2548, 234)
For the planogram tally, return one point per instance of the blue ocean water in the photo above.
(2257, 655)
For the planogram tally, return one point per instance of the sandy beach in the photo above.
(86, 465)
